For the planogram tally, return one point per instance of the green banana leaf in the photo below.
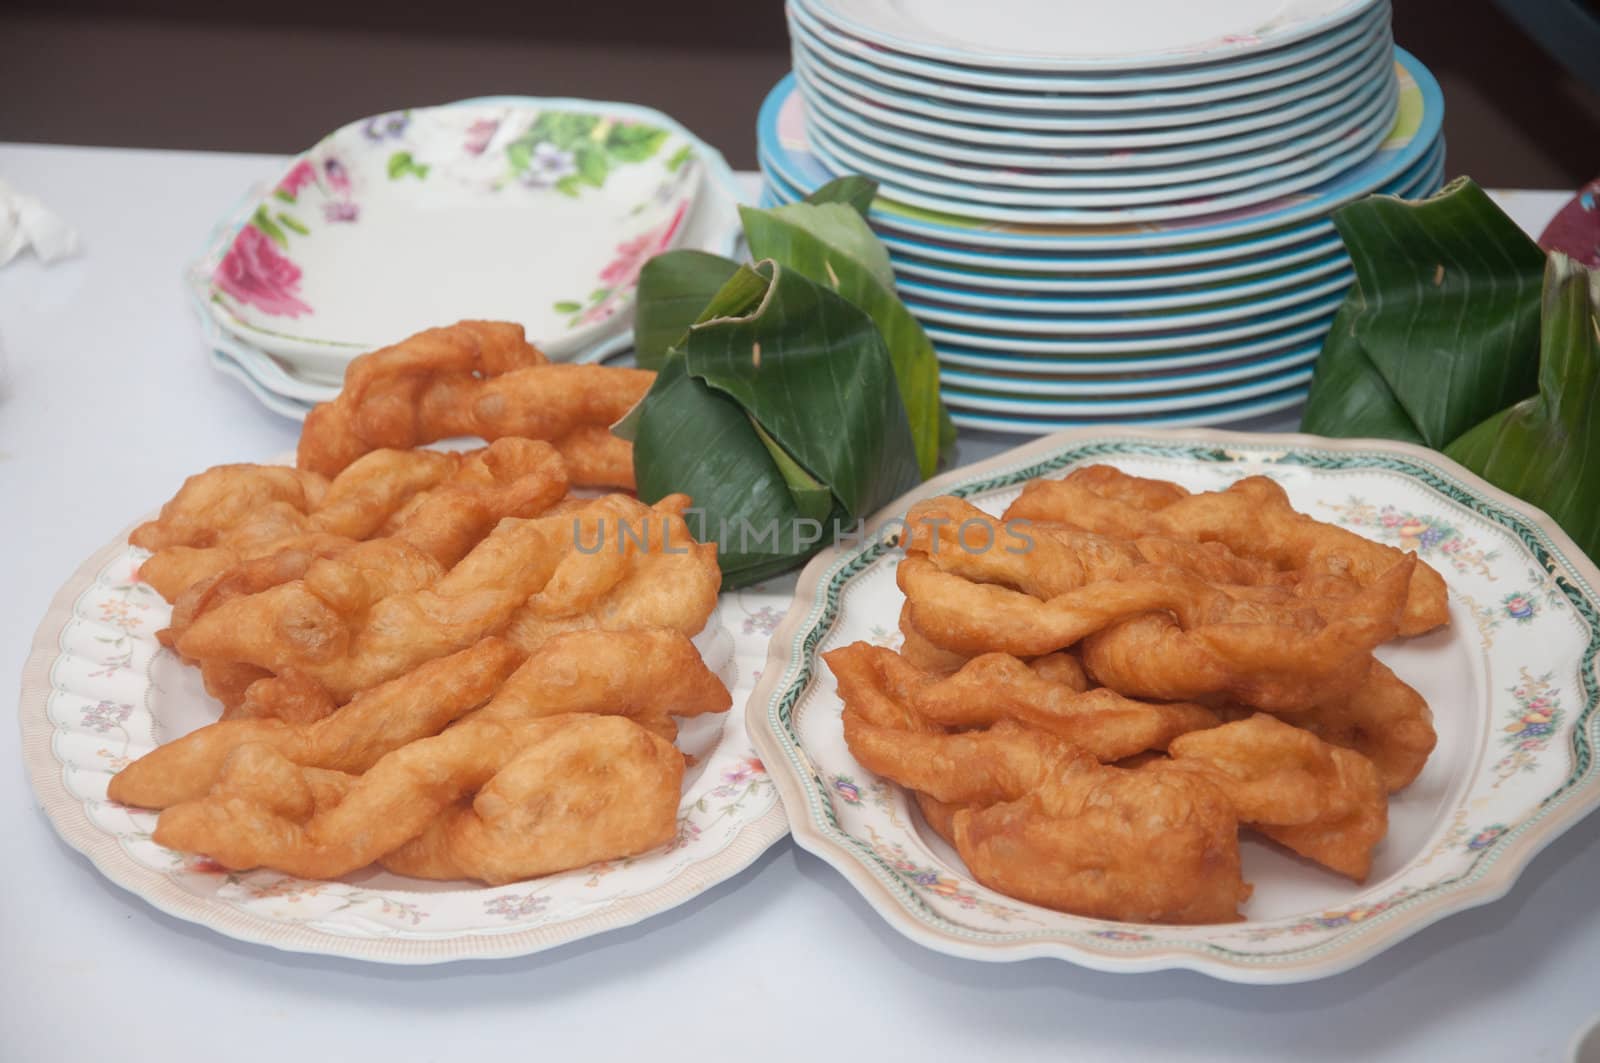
(831, 244)
(1348, 395)
(696, 437)
(1461, 335)
(1546, 448)
(851, 189)
(1442, 327)
(761, 407)
(673, 290)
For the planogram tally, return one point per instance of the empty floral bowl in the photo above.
(528, 210)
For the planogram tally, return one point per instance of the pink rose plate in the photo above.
(537, 211)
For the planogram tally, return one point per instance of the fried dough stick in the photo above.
(404, 790)
(213, 502)
(997, 687)
(1383, 719)
(1111, 844)
(391, 803)
(643, 674)
(632, 566)
(509, 478)
(600, 788)
(475, 379)
(1242, 642)
(350, 627)
(377, 405)
(353, 506)
(578, 670)
(352, 739)
(1326, 803)
(1253, 518)
(1041, 820)
(1046, 559)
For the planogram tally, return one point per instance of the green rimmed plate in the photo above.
(1512, 681)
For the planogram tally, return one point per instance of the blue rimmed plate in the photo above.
(1209, 395)
(1105, 90)
(938, 191)
(1054, 122)
(1046, 35)
(1110, 295)
(944, 139)
(1098, 317)
(783, 148)
(1052, 181)
(1104, 380)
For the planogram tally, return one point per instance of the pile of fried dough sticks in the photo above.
(1099, 687)
(442, 662)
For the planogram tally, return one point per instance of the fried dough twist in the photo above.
(479, 379)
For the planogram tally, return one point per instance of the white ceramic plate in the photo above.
(1178, 290)
(1092, 317)
(1168, 399)
(1244, 69)
(1035, 206)
(1111, 339)
(1106, 90)
(912, 268)
(1408, 152)
(1513, 684)
(533, 211)
(1193, 160)
(713, 225)
(1047, 127)
(999, 182)
(98, 690)
(1236, 413)
(1100, 384)
(1084, 35)
(1138, 359)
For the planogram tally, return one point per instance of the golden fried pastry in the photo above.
(353, 738)
(918, 649)
(349, 625)
(632, 566)
(215, 501)
(1037, 817)
(472, 379)
(997, 687)
(1383, 719)
(597, 458)
(392, 802)
(1112, 844)
(647, 675)
(353, 506)
(1326, 803)
(1189, 639)
(509, 478)
(600, 788)
(1253, 518)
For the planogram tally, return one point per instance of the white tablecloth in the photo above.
(111, 403)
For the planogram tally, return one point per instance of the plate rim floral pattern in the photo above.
(68, 814)
(1499, 860)
(708, 167)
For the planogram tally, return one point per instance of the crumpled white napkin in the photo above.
(25, 222)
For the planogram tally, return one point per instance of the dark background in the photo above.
(274, 75)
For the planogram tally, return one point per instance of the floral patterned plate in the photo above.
(1513, 685)
(538, 211)
(98, 690)
(714, 225)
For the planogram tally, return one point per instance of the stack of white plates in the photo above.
(1109, 212)
(531, 210)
